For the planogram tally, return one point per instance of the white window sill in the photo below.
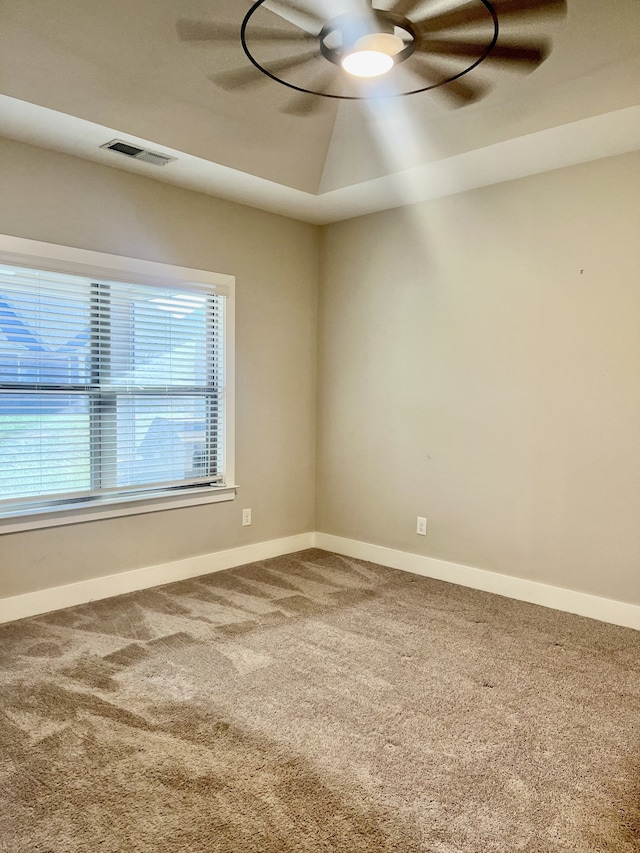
(41, 518)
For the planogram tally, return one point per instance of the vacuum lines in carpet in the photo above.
(314, 703)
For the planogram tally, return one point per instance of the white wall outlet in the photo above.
(421, 526)
(246, 517)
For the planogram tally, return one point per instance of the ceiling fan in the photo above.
(358, 49)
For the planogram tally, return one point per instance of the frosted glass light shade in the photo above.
(367, 63)
(372, 55)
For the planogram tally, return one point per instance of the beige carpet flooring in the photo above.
(318, 703)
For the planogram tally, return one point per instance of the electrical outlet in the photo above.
(246, 517)
(421, 526)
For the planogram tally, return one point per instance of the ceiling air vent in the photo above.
(137, 153)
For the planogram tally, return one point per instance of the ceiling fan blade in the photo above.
(405, 7)
(304, 104)
(210, 31)
(519, 55)
(250, 74)
(461, 91)
(297, 15)
(475, 12)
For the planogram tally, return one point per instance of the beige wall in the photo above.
(479, 363)
(60, 199)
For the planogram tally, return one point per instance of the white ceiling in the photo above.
(76, 74)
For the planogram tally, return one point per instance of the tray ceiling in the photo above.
(74, 75)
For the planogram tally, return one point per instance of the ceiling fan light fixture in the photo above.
(367, 63)
(367, 41)
(372, 55)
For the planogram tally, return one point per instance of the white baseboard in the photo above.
(46, 600)
(583, 604)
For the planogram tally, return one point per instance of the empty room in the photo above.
(319, 426)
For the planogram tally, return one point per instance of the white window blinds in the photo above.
(107, 388)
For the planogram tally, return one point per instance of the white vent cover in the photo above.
(135, 153)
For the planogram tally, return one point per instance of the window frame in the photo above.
(51, 257)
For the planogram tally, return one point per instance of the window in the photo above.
(113, 388)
